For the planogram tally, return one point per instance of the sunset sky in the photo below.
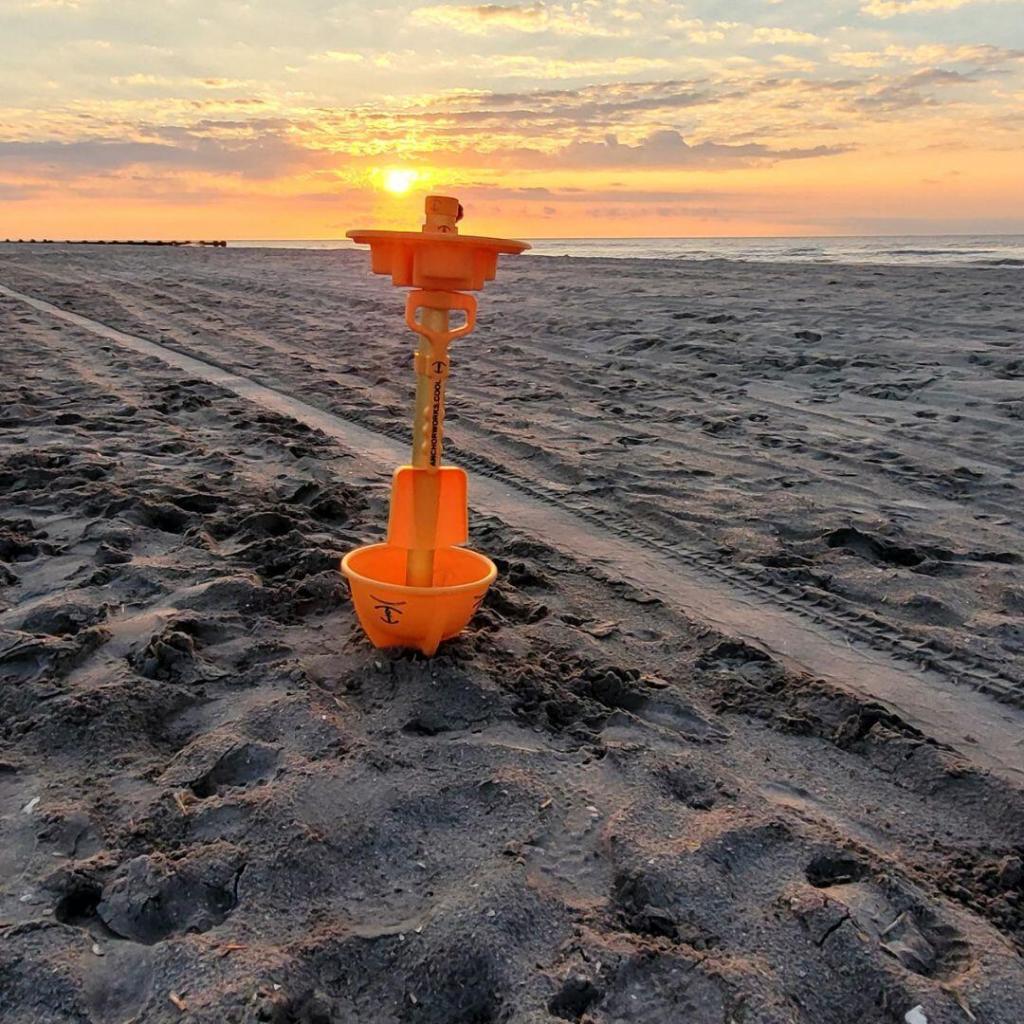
(300, 119)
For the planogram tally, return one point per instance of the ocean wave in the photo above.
(930, 252)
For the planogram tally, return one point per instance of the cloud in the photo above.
(11, 193)
(906, 92)
(598, 195)
(50, 5)
(482, 19)
(666, 149)
(930, 54)
(259, 156)
(891, 8)
(776, 36)
(860, 58)
(537, 68)
(339, 57)
(933, 54)
(178, 81)
(699, 31)
(543, 111)
(791, 63)
(633, 213)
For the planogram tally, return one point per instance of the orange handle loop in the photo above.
(421, 299)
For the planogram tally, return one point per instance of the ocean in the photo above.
(930, 250)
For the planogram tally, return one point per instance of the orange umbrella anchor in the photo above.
(422, 585)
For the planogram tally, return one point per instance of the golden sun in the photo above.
(398, 181)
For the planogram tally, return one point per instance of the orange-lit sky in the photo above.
(273, 119)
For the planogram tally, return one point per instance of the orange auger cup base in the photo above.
(395, 615)
(422, 586)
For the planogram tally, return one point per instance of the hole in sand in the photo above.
(78, 905)
(574, 998)
(834, 869)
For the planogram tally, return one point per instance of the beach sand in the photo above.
(732, 739)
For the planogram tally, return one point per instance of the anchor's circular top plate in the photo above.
(434, 259)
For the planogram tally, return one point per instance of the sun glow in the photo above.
(398, 181)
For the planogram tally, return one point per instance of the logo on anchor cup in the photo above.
(390, 611)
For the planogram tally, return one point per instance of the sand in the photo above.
(731, 740)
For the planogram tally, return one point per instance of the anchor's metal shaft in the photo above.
(427, 437)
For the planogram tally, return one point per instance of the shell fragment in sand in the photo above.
(915, 1016)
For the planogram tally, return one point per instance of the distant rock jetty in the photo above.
(85, 241)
